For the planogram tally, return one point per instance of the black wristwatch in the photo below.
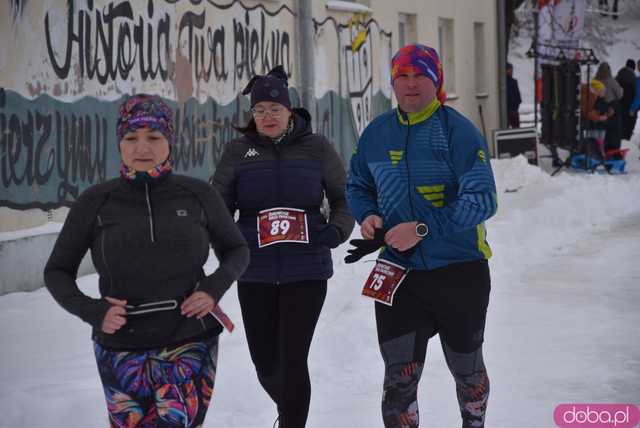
(422, 230)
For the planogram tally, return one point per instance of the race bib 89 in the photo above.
(277, 225)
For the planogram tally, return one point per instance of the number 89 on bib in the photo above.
(278, 225)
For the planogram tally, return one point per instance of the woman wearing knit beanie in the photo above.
(155, 326)
(277, 175)
(595, 113)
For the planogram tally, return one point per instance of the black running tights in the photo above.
(279, 321)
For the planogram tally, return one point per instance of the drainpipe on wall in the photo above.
(306, 64)
(502, 63)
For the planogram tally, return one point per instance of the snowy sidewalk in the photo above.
(562, 325)
(567, 331)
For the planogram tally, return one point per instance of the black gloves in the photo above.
(365, 246)
(368, 246)
(328, 236)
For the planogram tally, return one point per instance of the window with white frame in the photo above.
(352, 6)
(407, 31)
(447, 55)
(480, 56)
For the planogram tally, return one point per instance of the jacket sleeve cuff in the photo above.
(367, 214)
(217, 284)
(94, 312)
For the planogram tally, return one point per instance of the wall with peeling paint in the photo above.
(66, 65)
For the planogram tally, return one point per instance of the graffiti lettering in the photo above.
(198, 128)
(255, 50)
(51, 151)
(109, 43)
(74, 144)
(250, 46)
(215, 48)
(189, 152)
(29, 156)
(105, 59)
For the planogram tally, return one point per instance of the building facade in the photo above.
(66, 65)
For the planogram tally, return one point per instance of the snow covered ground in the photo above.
(562, 324)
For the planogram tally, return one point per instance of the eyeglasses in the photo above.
(260, 113)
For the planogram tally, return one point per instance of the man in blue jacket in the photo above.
(421, 186)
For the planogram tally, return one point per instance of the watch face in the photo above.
(422, 230)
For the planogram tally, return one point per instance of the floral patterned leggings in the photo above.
(167, 387)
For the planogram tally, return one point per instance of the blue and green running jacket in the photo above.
(431, 167)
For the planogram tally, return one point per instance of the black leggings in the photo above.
(451, 301)
(279, 321)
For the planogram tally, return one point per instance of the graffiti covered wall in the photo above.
(352, 75)
(66, 65)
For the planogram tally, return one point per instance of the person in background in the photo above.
(612, 95)
(635, 104)
(605, 10)
(277, 175)
(421, 186)
(595, 111)
(627, 80)
(149, 232)
(513, 99)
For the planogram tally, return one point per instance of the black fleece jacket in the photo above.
(148, 243)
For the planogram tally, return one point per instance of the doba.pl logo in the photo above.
(597, 415)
